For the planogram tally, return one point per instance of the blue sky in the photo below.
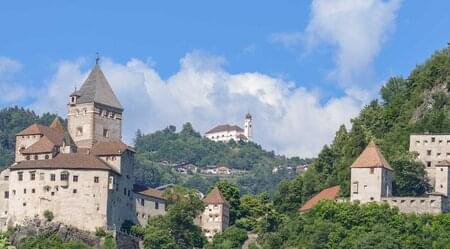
(290, 42)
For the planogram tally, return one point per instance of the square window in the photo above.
(428, 164)
(428, 152)
(372, 170)
(32, 176)
(52, 177)
(33, 190)
(96, 179)
(74, 191)
(20, 175)
(6, 195)
(75, 178)
(64, 176)
(433, 139)
(6, 178)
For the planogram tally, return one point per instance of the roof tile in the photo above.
(326, 194)
(371, 157)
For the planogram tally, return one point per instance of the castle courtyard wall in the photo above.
(433, 204)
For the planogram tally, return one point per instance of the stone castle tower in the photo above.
(248, 127)
(94, 112)
(442, 178)
(371, 176)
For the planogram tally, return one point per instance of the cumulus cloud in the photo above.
(357, 29)
(11, 91)
(287, 118)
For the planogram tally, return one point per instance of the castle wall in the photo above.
(147, 207)
(4, 199)
(72, 202)
(433, 204)
(23, 142)
(213, 220)
(442, 180)
(431, 149)
(107, 120)
(121, 203)
(80, 124)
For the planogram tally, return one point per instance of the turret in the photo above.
(248, 127)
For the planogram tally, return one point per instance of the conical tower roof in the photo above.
(215, 197)
(371, 157)
(56, 124)
(97, 89)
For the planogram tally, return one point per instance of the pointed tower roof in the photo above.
(371, 157)
(97, 89)
(56, 124)
(215, 197)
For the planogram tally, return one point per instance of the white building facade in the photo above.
(227, 132)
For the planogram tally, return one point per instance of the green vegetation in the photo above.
(48, 215)
(418, 104)
(232, 238)
(176, 229)
(50, 242)
(353, 226)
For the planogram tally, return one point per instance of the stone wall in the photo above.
(146, 207)
(432, 204)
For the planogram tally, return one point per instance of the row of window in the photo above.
(33, 191)
(64, 176)
(79, 132)
(433, 140)
(36, 157)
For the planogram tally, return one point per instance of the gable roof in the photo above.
(215, 197)
(44, 145)
(97, 89)
(326, 194)
(56, 124)
(225, 127)
(116, 148)
(64, 161)
(54, 135)
(149, 192)
(371, 157)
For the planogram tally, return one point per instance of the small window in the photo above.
(355, 187)
(74, 191)
(64, 176)
(24, 190)
(124, 191)
(442, 186)
(27, 157)
(442, 169)
(24, 204)
(142, 202)
(20, 175)
(75, 178)
(129, 193)
(79, 132)
(371, 198)
(106, 133)
(433, 139)
(156, 205)
(96, 179)
(372, 170)
(47, 157)
(428, 152)
(6, 195)
(438, 154)
(6, 178)
(53, 193)
(428, 164)
(52, 177)
(32, 176)
(36, 157)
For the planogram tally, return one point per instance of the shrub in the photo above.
(48, 215)
(100, 232)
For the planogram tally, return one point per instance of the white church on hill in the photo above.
(226, 132)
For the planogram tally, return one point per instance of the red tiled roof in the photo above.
(110, 148)
(326, 194)
(64, 161)
(44, 145)
(371, 157)
(215, 197)
(56, 124)
(54, 135)
(225, 127)
(151, 192)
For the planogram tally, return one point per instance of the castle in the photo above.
(82, 175)
(372, 176)
(227, 132)
(215, 218)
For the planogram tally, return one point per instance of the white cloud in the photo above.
(287, 119)
(10, 90)
(357, 29)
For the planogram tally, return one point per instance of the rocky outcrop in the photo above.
(67, 233)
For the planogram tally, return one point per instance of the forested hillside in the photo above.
(416, 104)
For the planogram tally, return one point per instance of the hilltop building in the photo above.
(226, 132)
(84, 173)
(216, 216)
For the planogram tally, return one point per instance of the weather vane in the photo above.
(97, 59)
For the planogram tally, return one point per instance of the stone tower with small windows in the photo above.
(94, 112)
(443, 178)
(371, 176)
(248, 127)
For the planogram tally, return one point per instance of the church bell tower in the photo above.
(248, 127)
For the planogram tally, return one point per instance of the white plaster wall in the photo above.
(213, 220)
(143, 212)
(24, 142)
(442, 180)
(371, 187)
